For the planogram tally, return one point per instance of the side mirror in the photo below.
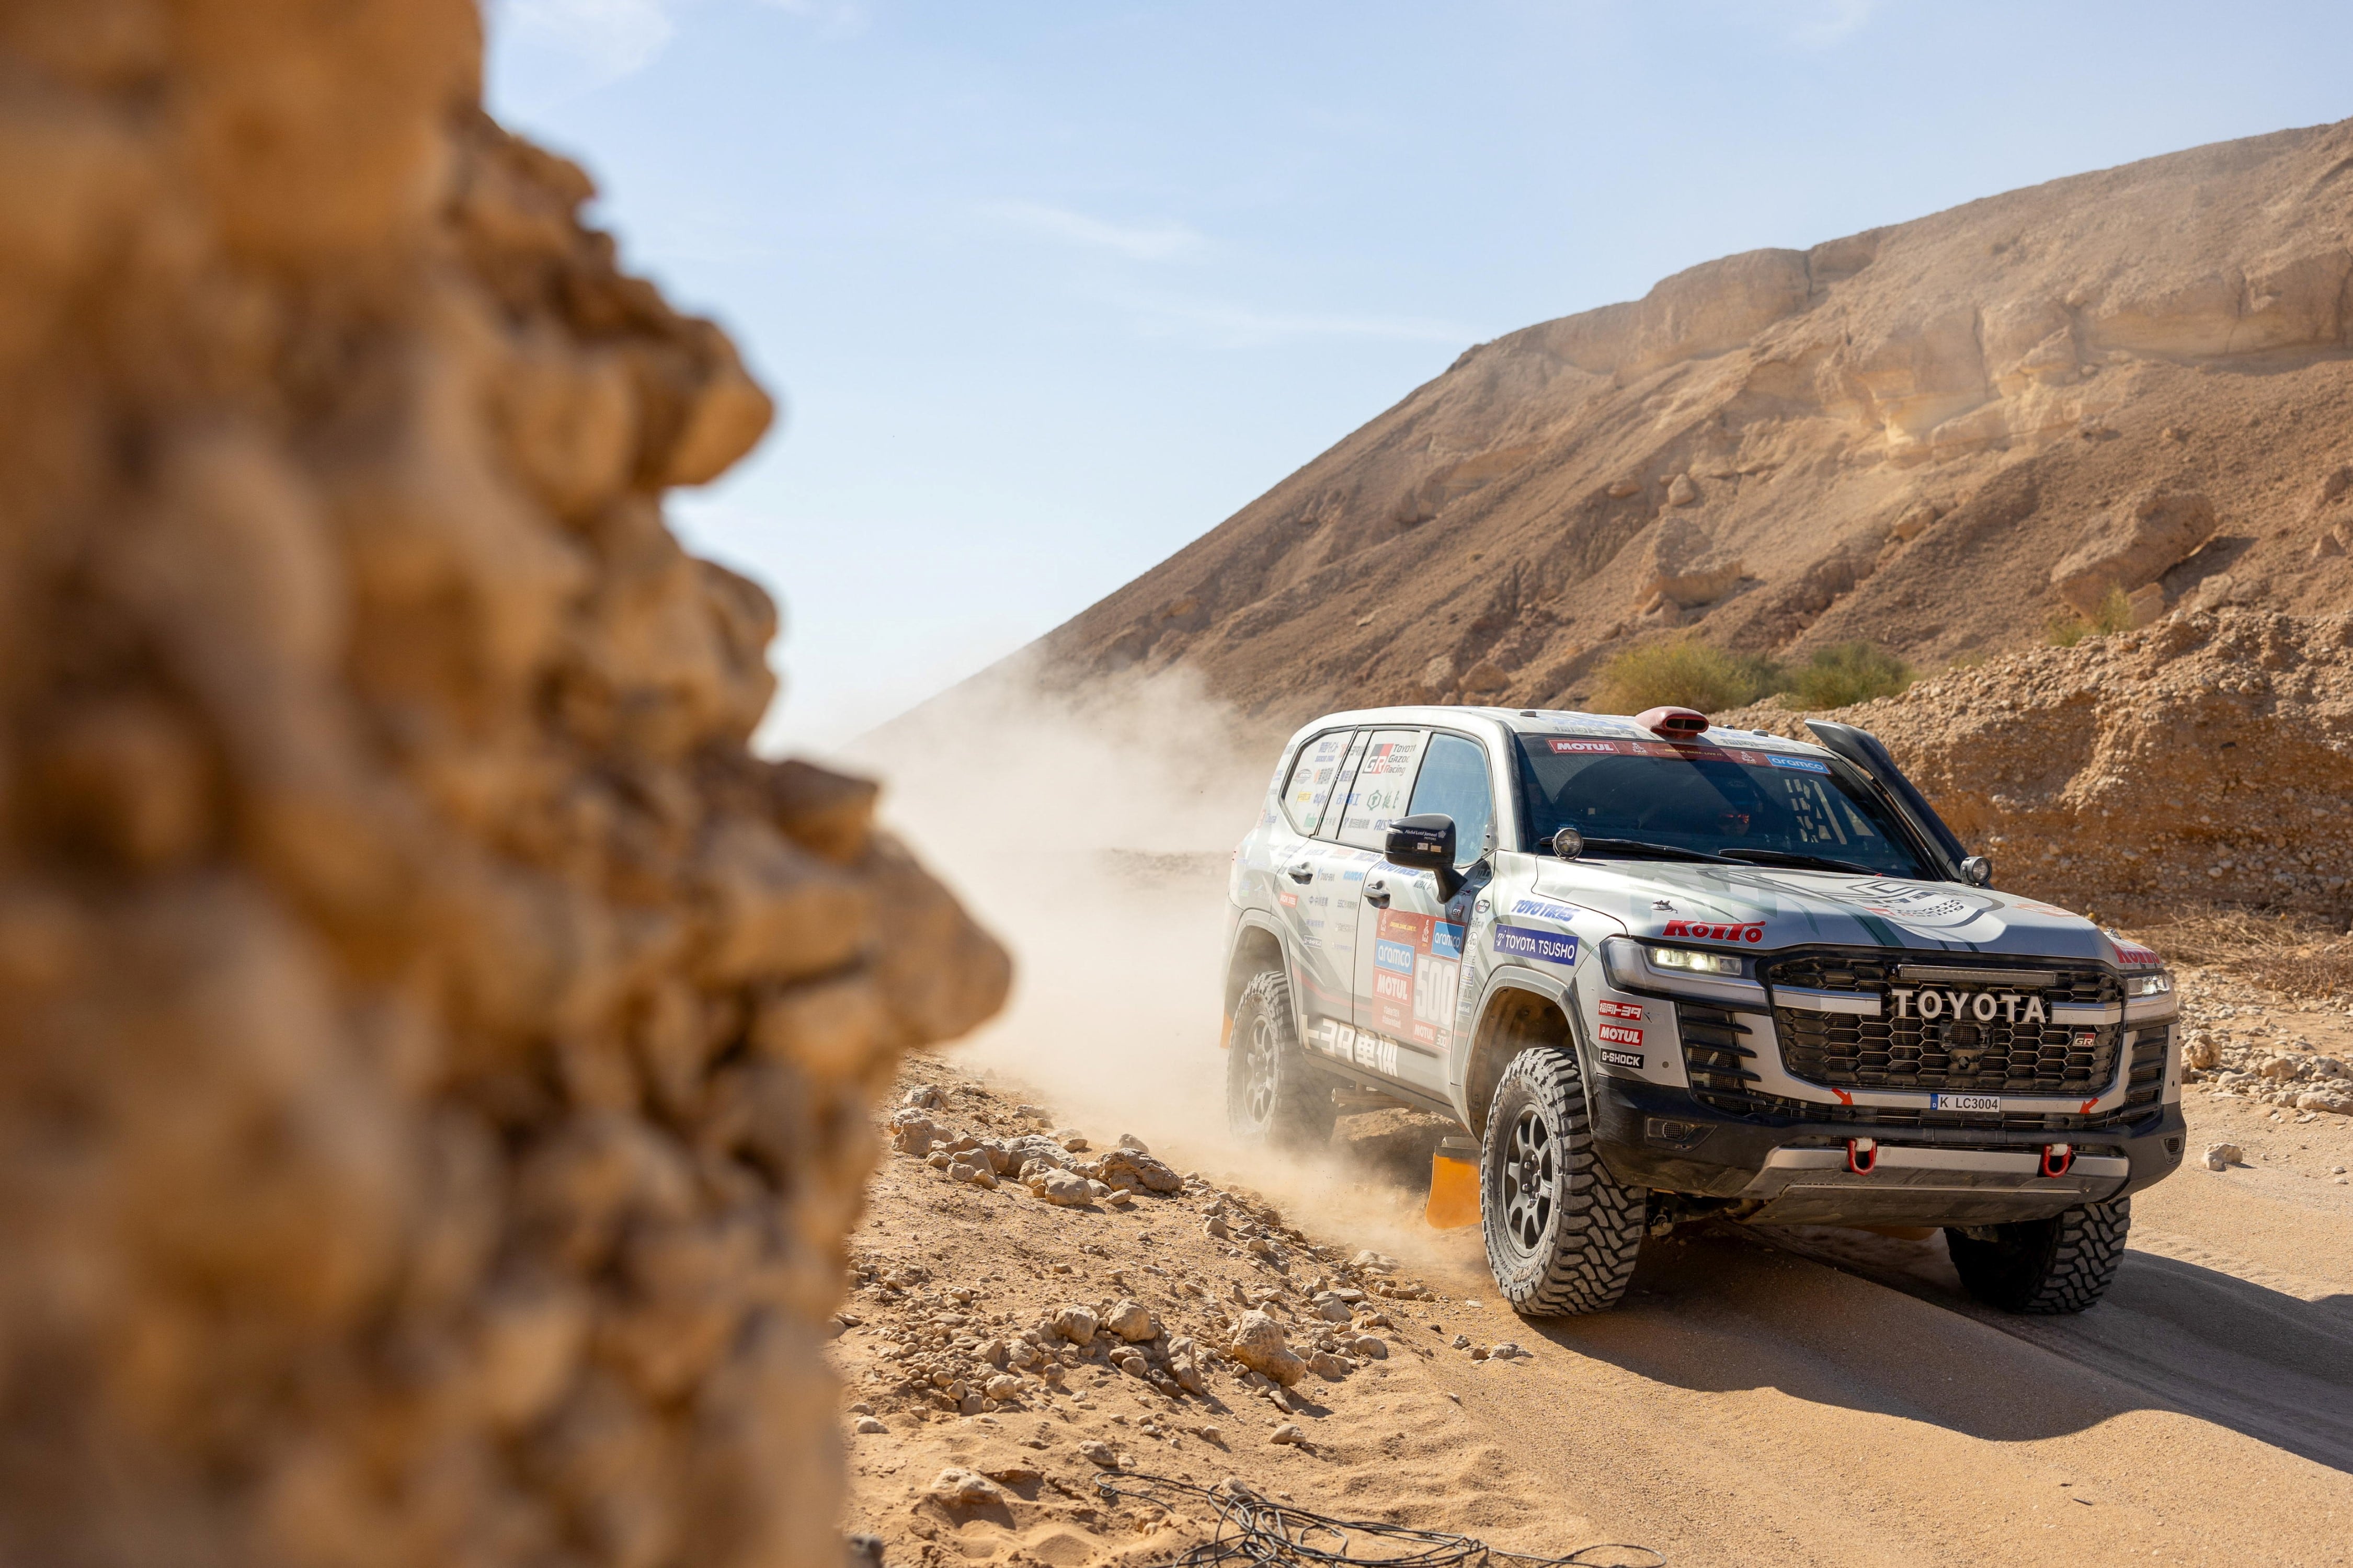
(1424, 843)
(1978, 871)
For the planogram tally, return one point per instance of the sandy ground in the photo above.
(1810, 1396)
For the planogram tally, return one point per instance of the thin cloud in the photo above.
(1827, 22)
(1241, 326)
(1160, 240)
(612, 37)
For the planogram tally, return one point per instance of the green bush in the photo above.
(2067, 628)
(1684, 674)
(1849, 673)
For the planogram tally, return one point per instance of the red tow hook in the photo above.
(1861, 1155)
(2057, 1158)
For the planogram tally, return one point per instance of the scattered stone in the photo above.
(869, 1425)
(1260, 1344)
(1324, 1364)
(1288, 1432)
(1620, 489)
(1097, 1452)
(1130, 1169)
(1003, 1388)
(1130, 1140)
(1330, 1308)
(1369, 1347)
(1063, 1189)
(1075, 1323)
(1131, 1320)
(1460, 1341)
(926, 1097)
(1682, 492)
(960, 1488)
(1504, 1351)
(1019, 1473)
(2222, 1156)
(1075, 1143)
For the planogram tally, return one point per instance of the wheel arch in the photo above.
(1258, 947)
(1520, 1013)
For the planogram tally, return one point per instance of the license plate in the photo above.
(1965, 1102)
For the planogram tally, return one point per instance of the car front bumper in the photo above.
(1798, 1172)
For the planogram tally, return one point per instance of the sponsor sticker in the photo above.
(1620, 1035)
(1562, 747)
(1392, 987)
(1544, 909)
(1396, 956)
(1547, 947)
(1621, 1009)
(1748, 931)
(1436, 983)
(1975, 1102)
(1806, 764)
(1288, 901)
(1623, 1059)
(1445, 940)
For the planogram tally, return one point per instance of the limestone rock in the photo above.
(474, 1041)
(1062, 1188)
(1094, 1451)
(1369, 1347)
(2223, 1156)
(1260, 1344)
(1131, 1320)
(2133, 546)
(1130, 1169)
(960, 1488)
(1683, 565)
(1075, 1323)
(1682, 492)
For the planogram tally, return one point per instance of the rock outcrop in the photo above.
(2197, 764)
(438, 1052)
(1903, 435)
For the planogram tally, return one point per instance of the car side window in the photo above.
(1341, 783)
(1454, 781)
(1308, 792)
(1376, 796)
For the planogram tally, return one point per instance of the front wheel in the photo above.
(2063, 1264)
(1562, 1232)
(1273, 1097)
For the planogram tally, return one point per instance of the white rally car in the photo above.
(1662, 972)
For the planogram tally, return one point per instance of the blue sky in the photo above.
(1049, 289)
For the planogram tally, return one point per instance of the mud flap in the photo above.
(1453, 1186)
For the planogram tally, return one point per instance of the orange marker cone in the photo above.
(1453, 1186)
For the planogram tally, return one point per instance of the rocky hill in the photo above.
(1937, 435)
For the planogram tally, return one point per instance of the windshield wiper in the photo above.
(1644, 846)
(1783, 858)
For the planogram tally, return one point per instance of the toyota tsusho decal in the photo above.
(1544, 946)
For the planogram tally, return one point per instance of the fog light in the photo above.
(1692, 961)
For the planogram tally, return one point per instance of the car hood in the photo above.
(1761, 908)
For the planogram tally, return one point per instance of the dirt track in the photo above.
(1762, 1397)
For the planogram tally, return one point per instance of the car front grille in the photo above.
(1844, 1050)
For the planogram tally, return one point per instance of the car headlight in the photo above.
(1692, 961)
(2158, 985)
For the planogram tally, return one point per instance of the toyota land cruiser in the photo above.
(1661, 972)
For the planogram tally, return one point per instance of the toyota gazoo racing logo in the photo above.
(1744, 931)
(1961, 914)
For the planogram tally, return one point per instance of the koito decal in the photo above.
(1749, 932)
(1621, 1009)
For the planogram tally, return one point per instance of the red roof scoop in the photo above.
(1673, 724)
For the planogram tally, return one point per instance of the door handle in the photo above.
(1378, 894)
(1300, 871)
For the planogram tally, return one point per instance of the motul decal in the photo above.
(1752, 933)
(1620, 1035)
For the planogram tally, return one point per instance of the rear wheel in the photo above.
(2063, 1264)
(1562, 1232)
(1273, 1096)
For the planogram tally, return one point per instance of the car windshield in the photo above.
(1764, 808)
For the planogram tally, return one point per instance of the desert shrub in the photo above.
(1684, 674)
(1849, 673)
(2067, 628)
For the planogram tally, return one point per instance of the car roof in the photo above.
(1546, 722)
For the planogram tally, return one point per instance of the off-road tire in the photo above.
(2059, 1265)
(1562, 1232)
(1274, 1097)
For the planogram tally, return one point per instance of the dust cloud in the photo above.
(1094, 832)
